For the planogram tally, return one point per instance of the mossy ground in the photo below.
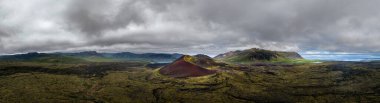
(331, 82)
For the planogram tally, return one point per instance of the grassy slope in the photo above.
(252, 56)
(326, 82)
(239, 60)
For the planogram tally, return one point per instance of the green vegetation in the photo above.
(295, 61)
(259, 55)
(58, 59)
(102, 59)
(259, 77)
(132, 82)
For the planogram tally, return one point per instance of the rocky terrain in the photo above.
(193, 79)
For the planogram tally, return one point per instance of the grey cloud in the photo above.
(292, 21)
(209, 26)
(95, 16)
(160, 39)
(3, 33)
(39, 46)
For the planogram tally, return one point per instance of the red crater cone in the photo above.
(181, 68)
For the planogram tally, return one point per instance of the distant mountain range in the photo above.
(239, 56)
(91, 56)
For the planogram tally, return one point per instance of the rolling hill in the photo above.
(189, 79)
(257, 55)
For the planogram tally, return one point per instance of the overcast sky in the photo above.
(189, 26)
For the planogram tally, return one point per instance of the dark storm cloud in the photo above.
(321, 22)
(195, 26)
(46, 46)
(3, 33)
(94, 16)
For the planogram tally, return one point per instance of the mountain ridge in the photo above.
(93, 55)
(255, 54)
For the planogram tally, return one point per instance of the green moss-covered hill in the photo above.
(257, 55)
(25, 81)
(335, 82)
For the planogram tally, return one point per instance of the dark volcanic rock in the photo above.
(204, 61)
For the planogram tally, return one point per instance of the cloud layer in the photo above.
(189, 26)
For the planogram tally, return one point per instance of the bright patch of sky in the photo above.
(340, 56)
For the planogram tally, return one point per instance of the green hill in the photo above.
(258, 55)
